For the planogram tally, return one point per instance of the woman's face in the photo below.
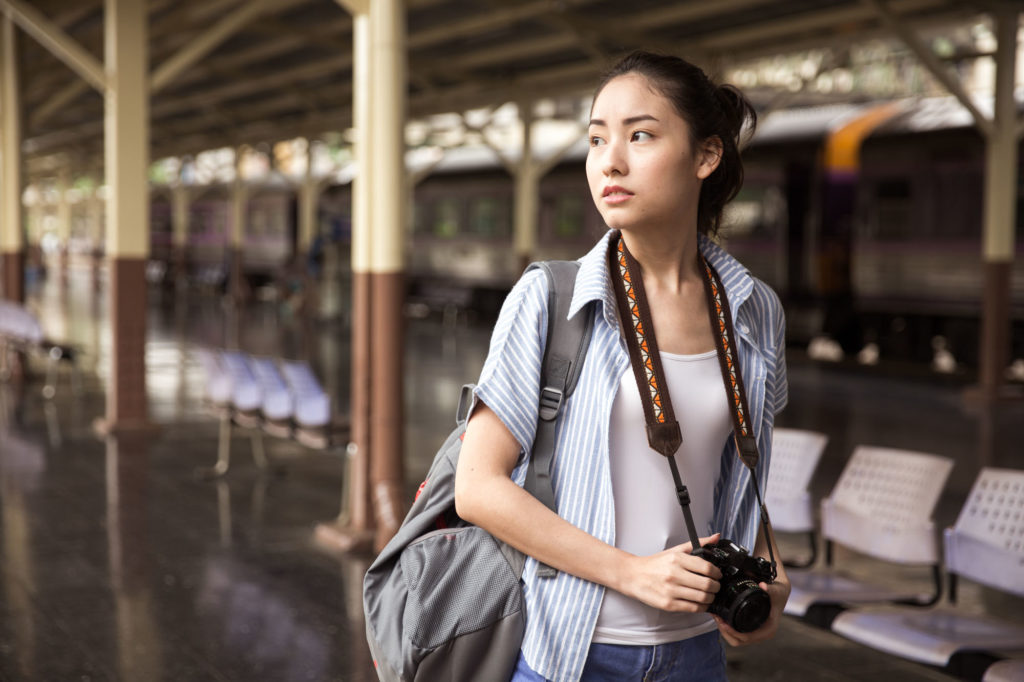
(642, 167)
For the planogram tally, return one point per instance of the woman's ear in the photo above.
(709, 156)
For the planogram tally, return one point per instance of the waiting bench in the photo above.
(283, 399)
(881, 507)
(20, 331)
(986, 546)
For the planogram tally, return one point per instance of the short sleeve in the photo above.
(780, 384)
(510, 380)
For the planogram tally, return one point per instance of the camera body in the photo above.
(740, 602)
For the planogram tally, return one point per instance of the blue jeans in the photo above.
(698, 659)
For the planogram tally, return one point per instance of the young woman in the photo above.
(629, 601)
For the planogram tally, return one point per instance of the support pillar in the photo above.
(12, 236)
(239, 222)
(354, 529)
(63, 217)
(309, 196)
(387, 181)
(998, 239)
(126, 154)
(97, 227)
(527, 192)
(179, 232)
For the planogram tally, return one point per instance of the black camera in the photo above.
(740, 602)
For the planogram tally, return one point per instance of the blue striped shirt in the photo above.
(562, 611)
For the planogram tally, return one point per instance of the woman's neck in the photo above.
(667, 258)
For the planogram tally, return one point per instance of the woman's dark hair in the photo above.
(710, 110)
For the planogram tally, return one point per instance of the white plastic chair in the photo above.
(1010, 670)
(881, 506)
(987, 546)
(235, 388)
(795, 456)
(278, 407)
(312, 405)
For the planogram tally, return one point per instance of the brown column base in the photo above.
(995, 330)
(342, 537)
(358, 528)
(387, 418)
(127, 407)
(13, 265)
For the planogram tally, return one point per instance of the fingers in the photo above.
(711, 539)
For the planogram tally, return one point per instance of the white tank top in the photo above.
(647, 514)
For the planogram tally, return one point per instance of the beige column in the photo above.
(354, 527)
(97, 224)
(309, 195)
(12, 240)
(179, 231)
(126, 154)
(527, 191)
(239, 223)
(998, 239)
(387, 265)
(63, 215)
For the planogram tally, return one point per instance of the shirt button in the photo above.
(744, 329)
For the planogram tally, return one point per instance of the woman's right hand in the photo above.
(673, 580)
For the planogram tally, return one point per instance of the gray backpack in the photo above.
(443, 600)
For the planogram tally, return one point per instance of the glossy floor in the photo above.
(118, 563)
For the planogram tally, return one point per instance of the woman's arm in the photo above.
(486, 496)
(778, 592)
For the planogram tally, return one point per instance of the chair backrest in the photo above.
(246, 392)
(795, 456)
(987, 542)
(883, 502)
(19, 323)
(312, 404)
(895, 488)
(277, 400)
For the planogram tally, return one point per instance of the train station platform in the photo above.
(118, 563)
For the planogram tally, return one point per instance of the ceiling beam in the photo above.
(209, 40)
(59, 43)
(931, 62)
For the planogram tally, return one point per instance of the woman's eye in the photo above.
(595, 141)
(641, 136)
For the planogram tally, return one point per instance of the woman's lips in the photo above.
(615, 194)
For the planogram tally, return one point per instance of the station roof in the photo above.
(286, 69)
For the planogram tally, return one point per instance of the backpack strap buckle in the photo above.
(550, 403)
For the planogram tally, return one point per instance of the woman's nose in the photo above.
(614, 161)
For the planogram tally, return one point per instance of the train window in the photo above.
(446, 218)
(893, 209)
(568, 217)
(490, 217)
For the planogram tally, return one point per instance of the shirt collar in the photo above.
(593, 282)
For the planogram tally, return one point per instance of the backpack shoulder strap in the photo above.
(564, 352)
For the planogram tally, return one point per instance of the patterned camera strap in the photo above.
(663, 432)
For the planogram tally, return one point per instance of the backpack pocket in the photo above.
(459, 582)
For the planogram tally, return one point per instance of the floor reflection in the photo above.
(117, 563)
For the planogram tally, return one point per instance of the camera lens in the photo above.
(745, 606)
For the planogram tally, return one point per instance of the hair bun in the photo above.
(737, 110)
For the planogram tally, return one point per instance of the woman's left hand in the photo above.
(778, 592)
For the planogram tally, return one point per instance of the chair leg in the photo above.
(223, 452)
(52, 360)
(828, 553)
(952, 588)
(936, 595)
(259, 455)
(809, 561)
